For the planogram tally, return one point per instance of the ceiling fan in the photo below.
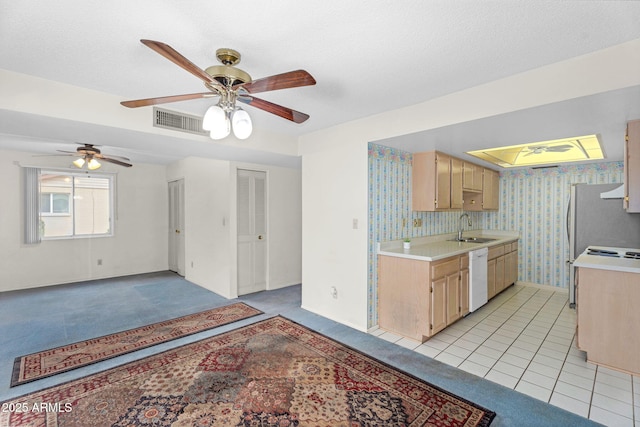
(551, 149)
(92, 156)
(231, 85)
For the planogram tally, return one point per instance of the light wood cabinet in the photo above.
(456, 183)
(608, 318)
(502, 268)
(471, 177)
(441, 182)
(404, 295)
(464, 285)
(431, 181)
(417, 299)
(632, 167)
(490, 190)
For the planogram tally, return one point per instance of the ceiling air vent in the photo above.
(177, 121)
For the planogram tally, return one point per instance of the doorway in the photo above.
(252, 231)
(176, 226)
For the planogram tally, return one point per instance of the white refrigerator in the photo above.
(596, 219)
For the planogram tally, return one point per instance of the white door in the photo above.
(252, 229)
(176, 226)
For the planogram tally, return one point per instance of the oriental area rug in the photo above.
(54, 361)
(272, 373)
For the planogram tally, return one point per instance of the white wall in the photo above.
(334, 184)
(210, 223)
(138, 246)
(207, 232)
(334, 160)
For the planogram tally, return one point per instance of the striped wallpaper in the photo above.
(532, 202)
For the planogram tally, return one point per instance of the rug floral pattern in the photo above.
(273, 373)
(72, 356)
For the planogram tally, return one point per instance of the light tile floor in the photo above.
(524, 339)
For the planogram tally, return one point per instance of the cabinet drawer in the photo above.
(444, 267)
(496, 251)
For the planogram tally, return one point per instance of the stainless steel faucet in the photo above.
(461, 225)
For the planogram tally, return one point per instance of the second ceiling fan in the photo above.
(229, 83)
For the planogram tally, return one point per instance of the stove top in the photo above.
(620, 259)
(614, 252)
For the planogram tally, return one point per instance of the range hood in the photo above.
(616, 193)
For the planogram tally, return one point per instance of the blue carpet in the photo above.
(36, 319)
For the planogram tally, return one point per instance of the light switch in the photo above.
(355, 223)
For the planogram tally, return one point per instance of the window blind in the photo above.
(31, 205)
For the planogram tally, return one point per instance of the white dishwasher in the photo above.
(478, 292)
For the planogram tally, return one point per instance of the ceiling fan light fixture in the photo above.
(242, 126)
(79, 162)
(217, 122)
(213, 118)
(93, 164)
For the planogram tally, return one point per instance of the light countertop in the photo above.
(433, 248)
(607, 263)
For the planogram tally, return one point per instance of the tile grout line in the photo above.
(516, 311)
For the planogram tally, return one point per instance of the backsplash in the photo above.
(532, 202)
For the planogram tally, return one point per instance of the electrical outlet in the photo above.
(355, 223)
(334, 292)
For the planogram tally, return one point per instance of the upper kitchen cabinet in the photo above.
(442, 182)
(632, 167)
(436, 182)
(490, 190)
(471, 177)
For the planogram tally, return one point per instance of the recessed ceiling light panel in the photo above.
(543, 153)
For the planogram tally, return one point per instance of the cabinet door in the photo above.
(456, 184)
(491, 278)
(490, 190)
(438, 305)
(632, 167)
(511, 268)
(464, 292)
(500, 277)
(443, 181)
(471, 177)
(453, 297)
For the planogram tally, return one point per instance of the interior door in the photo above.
(252, 231)
(176, 226)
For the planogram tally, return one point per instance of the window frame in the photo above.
(111, 177)
(51, 212)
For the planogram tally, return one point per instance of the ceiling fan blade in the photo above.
(117, 162)
(66, 152)
(172, 55)
(280, 81)
(102, 156)
(278, 110)
(165, 99)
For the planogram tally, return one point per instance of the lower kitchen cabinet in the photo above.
(502, 268)
(417, 298)
(608, 318)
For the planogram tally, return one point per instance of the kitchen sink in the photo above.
(474, 240)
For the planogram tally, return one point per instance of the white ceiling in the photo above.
(368, 57)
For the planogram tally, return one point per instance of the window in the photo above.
(75, 204)
(54, 203)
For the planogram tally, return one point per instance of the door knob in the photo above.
(178, 231)
(260, 237)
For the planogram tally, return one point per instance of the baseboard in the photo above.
(328, 316)
(546, 287)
